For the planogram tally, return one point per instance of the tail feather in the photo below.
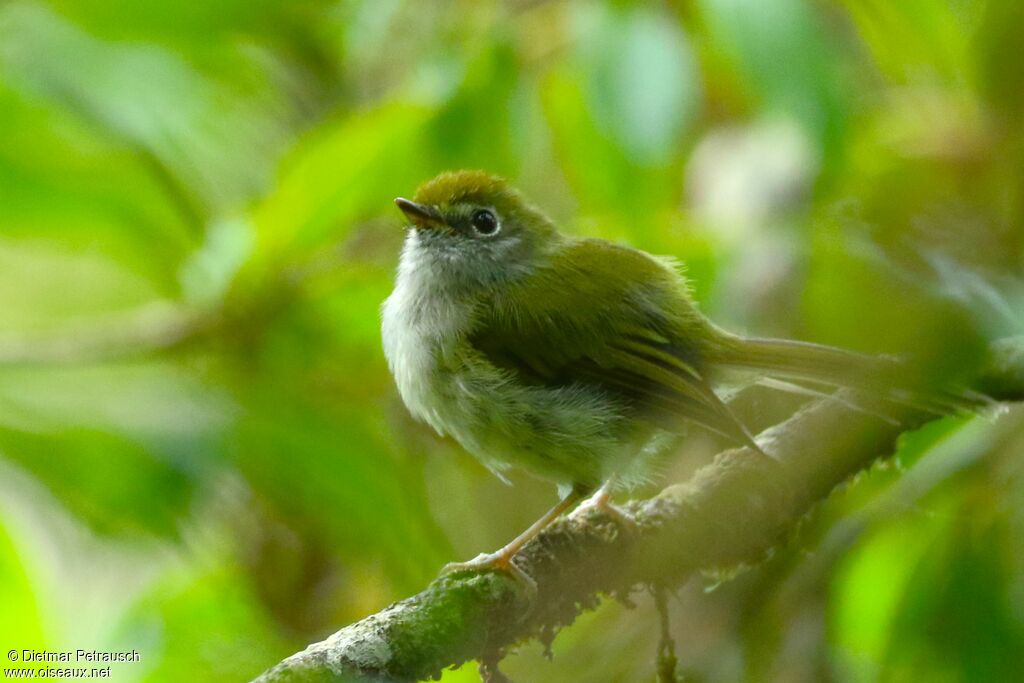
(801, 390)
(886, 377)
(805, 360)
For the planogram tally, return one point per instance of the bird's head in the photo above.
(476, 228)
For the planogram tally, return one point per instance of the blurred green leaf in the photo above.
(642, 82)
(954, 621)
(918, 38)
(786, 60)
(343, 482)
(867, 595)
(206, 626)
(20, 626)
(213, 147)
(343, 172)
(124, 448)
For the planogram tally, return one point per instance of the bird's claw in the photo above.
(603, 506)
(493, 562)
(482, 562)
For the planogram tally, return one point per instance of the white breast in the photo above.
(421, 326)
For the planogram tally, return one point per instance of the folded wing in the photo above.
(608, 317)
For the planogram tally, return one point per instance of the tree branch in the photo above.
(732, 512)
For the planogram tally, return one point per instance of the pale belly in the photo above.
(570, 435)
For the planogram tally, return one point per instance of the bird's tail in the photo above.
(804, 360)
(885, 377)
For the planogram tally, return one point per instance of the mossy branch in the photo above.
(731, 512)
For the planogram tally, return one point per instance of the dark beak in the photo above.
(420, 215)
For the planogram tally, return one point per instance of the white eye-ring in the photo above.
(485, 222)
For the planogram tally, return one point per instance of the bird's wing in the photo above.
(614, 318)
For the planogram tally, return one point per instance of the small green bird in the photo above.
(569, 357)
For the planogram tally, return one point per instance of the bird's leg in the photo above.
(502, 559)
(600, 501)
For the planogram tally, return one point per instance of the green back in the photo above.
(613, 318)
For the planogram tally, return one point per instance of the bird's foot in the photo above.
(499, 561)
(601, 503)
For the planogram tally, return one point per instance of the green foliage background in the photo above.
(201, 453)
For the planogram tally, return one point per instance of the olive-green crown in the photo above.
(477, 187)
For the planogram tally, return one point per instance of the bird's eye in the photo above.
(484, 221)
